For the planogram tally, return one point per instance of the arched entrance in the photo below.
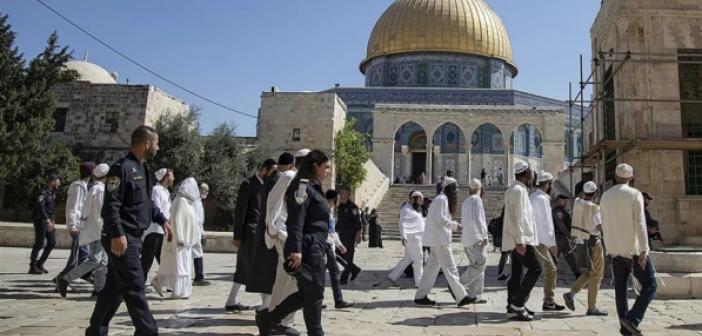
(449, 153)
(410, 164)
(526, 145)
(488, 155)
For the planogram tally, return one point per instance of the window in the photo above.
(296, 135)
(112, 121)
(610, 166)
(60, 119)
(693, 176)
(690, 75)
(608, 112)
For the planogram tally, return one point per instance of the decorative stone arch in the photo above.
(489, 163)
(410, 152)
(530, 145)
(450, 151)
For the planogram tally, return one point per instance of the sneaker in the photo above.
(630, 327)
(62, 286)
(466, 301)
(569, 299)
(425, 301)
(510, 310)
(344, 304)
(551, 306)
(502, 277)
(596, 312)
(285, 330)
(520, 314)
(202, 282)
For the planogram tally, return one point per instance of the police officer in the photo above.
(43, 220)
(127, 212)
(305, 247)
(348, 226)
(562, 226)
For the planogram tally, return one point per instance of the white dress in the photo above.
(175, 268)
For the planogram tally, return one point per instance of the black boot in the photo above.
(34, 269)
(263, 323)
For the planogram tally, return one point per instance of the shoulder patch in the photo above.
(301, 192)
(355, 212)
(112, 183)
(41, 197)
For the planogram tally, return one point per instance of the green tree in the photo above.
(224, 165)
(350, 156)
(180, 143)
(27, 104)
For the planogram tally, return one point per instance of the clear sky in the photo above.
(232, 50)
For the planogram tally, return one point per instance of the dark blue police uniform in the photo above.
(348, 225)
(127, 211)
(43, 212)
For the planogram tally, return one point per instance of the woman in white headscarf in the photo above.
(175, 268)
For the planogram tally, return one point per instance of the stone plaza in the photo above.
(28, 305)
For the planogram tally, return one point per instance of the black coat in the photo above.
(264, 261)
(248, 213)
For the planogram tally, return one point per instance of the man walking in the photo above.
(411, 231)
(127, 211)
(519, 236)
(198, 251)
(587, 225)
(541, 203)
(43, 220)
(153, 237)
(562, 223)
(475, 239)
(624, 228)
(348, 226)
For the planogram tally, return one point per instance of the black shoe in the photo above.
(344, 304)
(630, 327)
(62, 286)
(596, 312)
(568, 298)
(35, 270)
(41, 267)
(552, 306)
(283, 330)
(324, 306)
(264, 328)
(237, 307)
(354, 273)
(466, 300)
(201, 282)
(510, 310)
(425, 301)
(521, 315)
(502, 277)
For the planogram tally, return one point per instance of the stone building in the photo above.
(648, 112)
(96, 115)
(438, 96)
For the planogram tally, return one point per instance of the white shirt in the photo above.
(623, 221)
(91, 228)
(473, 221)
(199, 216)
(519, 224)
(77, 193)
(162, 199)
(411, 221)
(541, 203)
(438, 223)
(582, 209)
(276, 212)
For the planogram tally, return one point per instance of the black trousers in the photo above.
(125, 281)
(503, 260)
(520, 285)
(348, 239)
(199, 269)
(41, 233)
(151, 249)
(309, 297)
(333, 269)
(564, 249)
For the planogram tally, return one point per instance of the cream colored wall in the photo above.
(371, 192)
(159, 103)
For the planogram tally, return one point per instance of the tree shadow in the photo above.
(694, 326)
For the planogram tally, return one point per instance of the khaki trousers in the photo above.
(543, 255)
(593, 277)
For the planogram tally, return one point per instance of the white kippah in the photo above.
(475, 184)
(417, 194)
(520, 166)
(160, 174)
(590, 187)
(625, 171)
(448, 181)
(544, 177)
(302, 153)
(101, 170)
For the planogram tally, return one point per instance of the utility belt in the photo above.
(584, 253)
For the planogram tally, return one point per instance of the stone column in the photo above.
(384, 156)
(508, 170)
(467, 165)
(429, 163)
(437, 167)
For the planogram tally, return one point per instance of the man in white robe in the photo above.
(175, 269)
(475, 239)
(411, 230)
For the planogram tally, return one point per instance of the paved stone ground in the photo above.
(28, 306)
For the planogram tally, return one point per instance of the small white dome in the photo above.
(90, 72)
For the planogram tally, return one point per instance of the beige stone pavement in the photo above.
(28, 306)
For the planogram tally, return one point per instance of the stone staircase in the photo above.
(389, 208)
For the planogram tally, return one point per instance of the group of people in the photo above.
(533, 233)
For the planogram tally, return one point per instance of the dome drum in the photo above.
(437, 69)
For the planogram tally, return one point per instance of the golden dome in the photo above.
(458, 26)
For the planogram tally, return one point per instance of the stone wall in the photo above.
(372, 190)
(649, 29)
(159, 103)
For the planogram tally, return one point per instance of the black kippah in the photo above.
(286, 159)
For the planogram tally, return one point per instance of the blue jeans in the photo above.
(623, 267)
